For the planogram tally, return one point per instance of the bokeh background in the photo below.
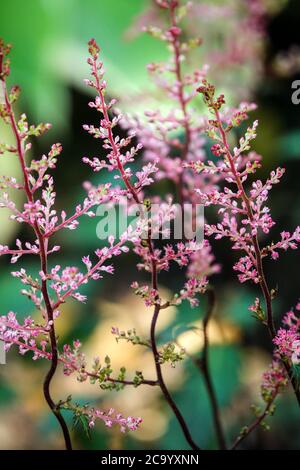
(49, 39)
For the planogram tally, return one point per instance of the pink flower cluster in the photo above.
(73, 360)
(287, 339)
(274, 381)
(118, 155)
(244, 215)
(28, 336)
(110, 418)
(236, 64)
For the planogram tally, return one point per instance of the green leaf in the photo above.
(82, 421)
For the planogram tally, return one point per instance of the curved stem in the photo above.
(250, 428)
(136, 198)
(51, 404)
(203, 364)
(186, 125)
(155, 352)
(43, 259)
(163, 386)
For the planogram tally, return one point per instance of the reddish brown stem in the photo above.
(259, 262)
(163, 386)
(203, 364)
(251, 427)
(156, 356)
(135, 196)
(187, 131)
(43, 264)
(181, 100)
(151, 383)
(179, 78)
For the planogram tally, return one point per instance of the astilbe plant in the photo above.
(233, 39)
(173, 149)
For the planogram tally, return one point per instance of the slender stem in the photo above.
(151, 383)
(259, 262)
(186, 124)
(156, 356)
(259, 265)
(203, 364)
(163, 386)
(179, 78)
(181, 99)
(47, 355)
(292, 378)
(111, 139)
(250, 428)
(43, 261)
(136, 198)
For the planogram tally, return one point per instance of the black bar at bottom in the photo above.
(134, 459)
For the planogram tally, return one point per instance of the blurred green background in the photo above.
(48, 61)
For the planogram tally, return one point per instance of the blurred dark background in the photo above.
(48, 61)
